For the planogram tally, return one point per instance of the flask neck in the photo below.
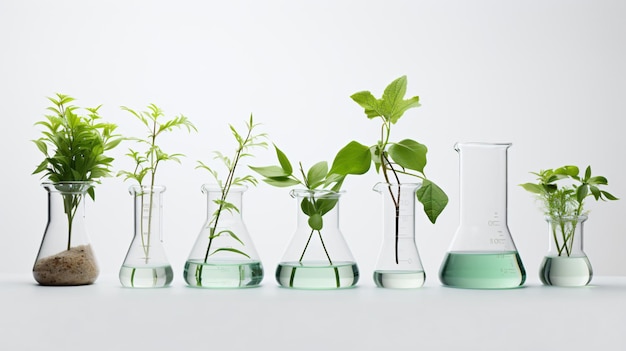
(565, 236)
(229, 206)
(483, 182)
(148, 210)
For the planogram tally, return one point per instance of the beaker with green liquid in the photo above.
(482, 254)
(317, 257)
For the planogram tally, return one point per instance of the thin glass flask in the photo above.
(482, 254)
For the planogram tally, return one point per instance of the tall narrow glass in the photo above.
(482, 254)
(399, 265)
(146, 265)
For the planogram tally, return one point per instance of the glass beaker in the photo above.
(318, 256)
(565, 264)
(223, 255)
(399, 264)
(65, 256)
(482, 254)
(146, 265)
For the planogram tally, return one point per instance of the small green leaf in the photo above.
(271, 171)
(284, 161)
(581, 193)
(433, 198)
(369, 103)
(533, 188)
(354, 158)
(229, 249)
(409, 154)
(571, 171)
(598, 180)
(317, 173)
(608, 196)
(281, 182)
(316, 222)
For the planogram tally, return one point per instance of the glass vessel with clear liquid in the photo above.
(565, 264)
(65, 256)
(482, 254)
(399, 265)
(223, 255)
(146, 265)
(318, 256)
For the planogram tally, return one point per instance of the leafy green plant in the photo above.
(562, 193)
(317, 177)
(245, 143)
(148, 160)
(74, 147)
(406, 157)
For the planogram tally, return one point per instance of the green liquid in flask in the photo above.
(317, 275)
(565, 271)
(146, 277)
(227, 274)
(482, 270)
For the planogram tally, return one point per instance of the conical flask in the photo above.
(65, 256)
(317, 256)
(146, 265)
(399, 265)
(223, 255)
(482, 254)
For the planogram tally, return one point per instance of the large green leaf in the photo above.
(409, 154)
(432, 198)
(354, 158)
(533, 188)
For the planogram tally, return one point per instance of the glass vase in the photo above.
(317, 256)
(146, 265)
(565, 264)
(223, 255)
(65, 256)
(399, 265)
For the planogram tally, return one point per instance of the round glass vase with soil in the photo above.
(65, 256)
(565, 264)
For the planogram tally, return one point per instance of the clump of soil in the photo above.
(76, 266)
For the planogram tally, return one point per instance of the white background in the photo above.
(548, 76)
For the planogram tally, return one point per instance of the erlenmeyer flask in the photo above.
(65, 256)
(223, 255)
(317, 257)
(146, 265)
(482, 254)
(399, 265)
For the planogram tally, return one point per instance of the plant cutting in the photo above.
(223, 244)
(393, 160)
(145, 264)
(562, 193)
(317, 257)
(74, 148)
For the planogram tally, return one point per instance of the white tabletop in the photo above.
(106, 316)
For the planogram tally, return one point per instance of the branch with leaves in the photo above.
(565, 203)
(74, 149)
(245, 143)
(317, 177)
(393, 159)
(147, 161)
